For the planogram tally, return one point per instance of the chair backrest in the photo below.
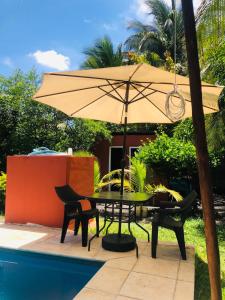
(186, 205)
(67, 194)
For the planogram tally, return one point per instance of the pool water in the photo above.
(26, 275)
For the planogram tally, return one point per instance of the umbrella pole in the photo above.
(202, 152)
(123, 161)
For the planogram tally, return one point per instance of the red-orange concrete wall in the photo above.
(30, 194)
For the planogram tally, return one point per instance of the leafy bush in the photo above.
(184, 130)
(169, 155)
(3, 178)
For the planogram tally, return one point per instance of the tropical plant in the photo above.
(215, 73)
(3, 179)
(136, 180)
(154, 189)
(102, 55)
(159, 37)
(210, 23)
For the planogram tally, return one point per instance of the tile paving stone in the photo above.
(125, 298)
(108, 280)
(170, 251)
(159, 267)
(91, 294)
(16, 238)
(106, 255)
(146, 286)
(125, 263)
(186, 272)
(125, 277)
(184, 290)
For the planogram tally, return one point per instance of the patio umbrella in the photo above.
(122, 95)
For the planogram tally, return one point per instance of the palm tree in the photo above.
(103, 55)
(210, 22)
(159, 37)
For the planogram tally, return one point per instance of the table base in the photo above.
(119, 243)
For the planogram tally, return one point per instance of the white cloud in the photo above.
(51, 59)
(7, 61)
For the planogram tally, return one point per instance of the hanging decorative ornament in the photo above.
(175, 103)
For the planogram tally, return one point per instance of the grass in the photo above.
(194, 234)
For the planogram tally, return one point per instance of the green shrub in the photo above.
(3, 178)
(169, 155)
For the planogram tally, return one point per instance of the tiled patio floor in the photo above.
(123, 276)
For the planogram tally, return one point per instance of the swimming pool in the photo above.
(26, 275)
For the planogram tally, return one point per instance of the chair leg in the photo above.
(181, 242)
(64, 229)
(84, 225)
(154, 239)
(76, 227)
(97, 225)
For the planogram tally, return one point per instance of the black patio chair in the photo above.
(73, 211)
(164, 217)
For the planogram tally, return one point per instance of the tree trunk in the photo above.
(202, 152)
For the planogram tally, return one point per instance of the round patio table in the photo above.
(120, 242)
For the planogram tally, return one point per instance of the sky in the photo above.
(50, 35)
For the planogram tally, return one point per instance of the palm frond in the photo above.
(160, 10)
(153, 189)
(138, 175)
(102, 55)
(113, 173)
(97, 174)
(138, 26)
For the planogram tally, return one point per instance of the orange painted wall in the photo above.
(30, 194)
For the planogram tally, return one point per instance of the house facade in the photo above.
(110, 153)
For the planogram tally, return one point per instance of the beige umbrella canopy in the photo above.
(103, 94)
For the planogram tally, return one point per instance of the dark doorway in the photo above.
(116, 156)
(133, 150)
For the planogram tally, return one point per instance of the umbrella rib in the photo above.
(165, 93)
(100, 97)
(140, 98)
(72, 91)
(157, 91)
(137, 68)
(159, 109)
(146, 97)
(86, 77)
(115, 89)
(133, 99)
(172, 83)
(110, 95)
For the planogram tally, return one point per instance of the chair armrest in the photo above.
(93, 204)
(167, 204)
(166, 211)
(73, 205)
